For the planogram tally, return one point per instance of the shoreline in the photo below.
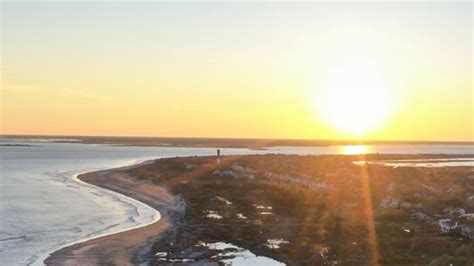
(40, 257)
(83, 251)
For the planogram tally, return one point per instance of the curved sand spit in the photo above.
(124, 248)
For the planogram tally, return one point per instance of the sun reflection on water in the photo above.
(354, 149)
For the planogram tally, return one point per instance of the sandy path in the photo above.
(121, 248)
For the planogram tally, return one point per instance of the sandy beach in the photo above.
(123, 248)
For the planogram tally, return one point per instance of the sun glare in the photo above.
(354, 149)
(354, 96)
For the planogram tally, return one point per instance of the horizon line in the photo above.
(469, 142)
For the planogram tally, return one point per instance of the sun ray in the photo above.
(369, 214)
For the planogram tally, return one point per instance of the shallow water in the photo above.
(423, 162)
(42, 207)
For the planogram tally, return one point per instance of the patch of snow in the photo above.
(175, 260)
(213, 215)
(263, 207)
(218, 245)
(446, 225)
(241, 216)
(275, 243)
(469, 216)
(224, 200)
(239, 256)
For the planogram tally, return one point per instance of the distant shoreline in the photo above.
(250, 143)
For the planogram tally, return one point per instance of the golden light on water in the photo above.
(354, 149)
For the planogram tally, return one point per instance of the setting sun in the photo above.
(236, 132)
(355, 96)
(339, 71)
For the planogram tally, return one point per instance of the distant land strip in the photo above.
(251, 143)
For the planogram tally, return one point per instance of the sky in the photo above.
(238, 70)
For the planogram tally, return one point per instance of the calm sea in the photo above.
(42, 207)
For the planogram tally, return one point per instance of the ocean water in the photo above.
(383, 149)
(43, 207)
